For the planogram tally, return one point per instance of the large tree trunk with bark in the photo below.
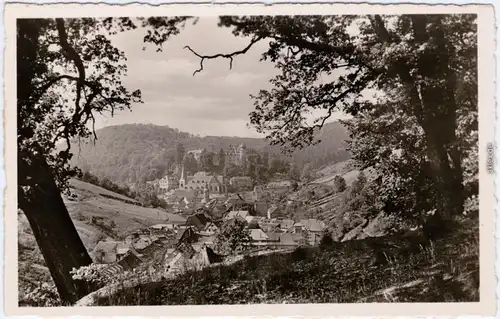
(435, 107)
(447, 175)
(38, 195)
(55, 232)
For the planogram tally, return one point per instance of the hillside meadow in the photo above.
(115, 218)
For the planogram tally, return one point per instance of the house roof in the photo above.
(258, 234)
(273, 236)
(202, 174)
(286, 223)
(122, 248)
(240, 213)
(106, 246)
(261, 207)
(199, 220)
(155, 250)
(241, 178)
(251, 219)
(287, 239)
(142, 243)
(285, 183)
(209, 225)
(182, 231)
(198, 151)
(163, 226)
(296, 237)
(212, 256)
(313, 225)
(234, 198)
(130, 261)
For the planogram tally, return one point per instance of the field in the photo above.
(116, 217)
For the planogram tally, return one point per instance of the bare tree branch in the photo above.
(72, 55)
(222, 55)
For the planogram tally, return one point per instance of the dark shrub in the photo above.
(300, 253)
(326, 241)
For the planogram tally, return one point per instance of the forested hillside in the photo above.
(139, 152)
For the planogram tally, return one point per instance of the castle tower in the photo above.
(242, 152)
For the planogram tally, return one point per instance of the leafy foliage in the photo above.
(233, 238)
(421, 71)
(339, 183)
(134, 153)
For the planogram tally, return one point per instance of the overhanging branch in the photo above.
(229, 56)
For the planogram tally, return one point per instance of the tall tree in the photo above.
(67, 71)
(190, 163)
(207, 162)
(233, 238)
(222, 160)
(293, 172)
(339, 183)
(180, 152)
(425, 65)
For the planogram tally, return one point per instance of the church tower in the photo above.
(206, 193)
(182, 180)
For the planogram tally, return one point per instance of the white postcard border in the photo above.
(486, 37)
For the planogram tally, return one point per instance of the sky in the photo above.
(215, 101)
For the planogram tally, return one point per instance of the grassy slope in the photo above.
(89, 202)
(442, 271)
(344, 169)
(91, 189)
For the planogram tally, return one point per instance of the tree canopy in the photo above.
(416, 74)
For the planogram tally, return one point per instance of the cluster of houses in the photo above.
(200, 181)
(186, 201)
(208, 207)
(183, 246)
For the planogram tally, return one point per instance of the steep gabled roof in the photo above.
(198, 220)
(238, 213)
(286, 223)
(258, 235)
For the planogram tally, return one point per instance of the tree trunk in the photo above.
(55, 234)
(435, 109)
(447, 176)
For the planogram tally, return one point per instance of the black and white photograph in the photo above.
(280, 157)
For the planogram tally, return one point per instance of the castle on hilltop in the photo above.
(235, 155)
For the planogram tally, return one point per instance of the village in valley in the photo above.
(210, 204)
(337, 162)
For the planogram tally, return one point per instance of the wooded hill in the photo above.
(139, 152)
